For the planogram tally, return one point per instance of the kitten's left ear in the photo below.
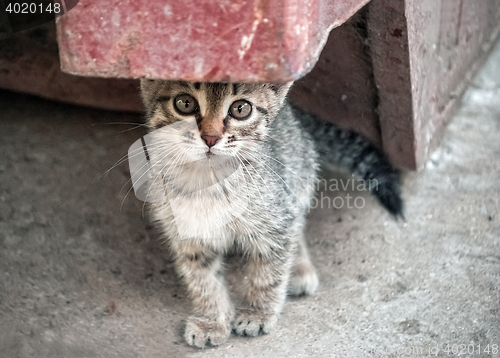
(281, 90)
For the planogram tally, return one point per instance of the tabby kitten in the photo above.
(238, 166)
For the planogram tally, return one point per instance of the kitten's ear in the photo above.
(148, 90)
(281, 90)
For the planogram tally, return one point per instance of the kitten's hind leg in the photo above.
(265, 281)
(200, 268)
(303, 280)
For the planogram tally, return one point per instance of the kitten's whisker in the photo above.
(123, 160)
(178, 152)
(126, 157)
(173, 166)
(276, 160)
(145, 173)
(131, 187)
(251, 178)
(255, 169)
(284, 182)
(125, 123)
(170, 177)
(135, 152)
(130, 129)
(147, 162)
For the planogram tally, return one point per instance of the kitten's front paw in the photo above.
(252, 322)
(303, 280)
(202, 332)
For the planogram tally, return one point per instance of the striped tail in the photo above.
(352, 151)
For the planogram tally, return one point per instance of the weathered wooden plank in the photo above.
(29, 63)
(425, 53)
(387, 32)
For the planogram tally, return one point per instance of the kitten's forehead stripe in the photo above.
(235, 88)
(215, 96)
(184, 84)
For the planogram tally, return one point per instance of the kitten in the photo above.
(238, 165)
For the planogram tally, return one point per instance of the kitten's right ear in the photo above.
(148, 89)
(281, 88)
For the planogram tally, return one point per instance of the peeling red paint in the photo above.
(257, 40)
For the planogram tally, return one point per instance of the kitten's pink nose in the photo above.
(210, 140)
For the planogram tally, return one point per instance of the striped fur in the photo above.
(267, 167)
(349, 150)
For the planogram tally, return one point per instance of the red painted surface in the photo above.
(209, 40)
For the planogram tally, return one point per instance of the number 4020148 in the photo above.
(32, 8)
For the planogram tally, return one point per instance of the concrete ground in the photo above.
(83, 275)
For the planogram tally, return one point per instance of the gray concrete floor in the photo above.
(83, 275)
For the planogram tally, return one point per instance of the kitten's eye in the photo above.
(240, 109)
(185, 104)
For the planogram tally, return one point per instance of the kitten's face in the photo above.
(228, 119)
